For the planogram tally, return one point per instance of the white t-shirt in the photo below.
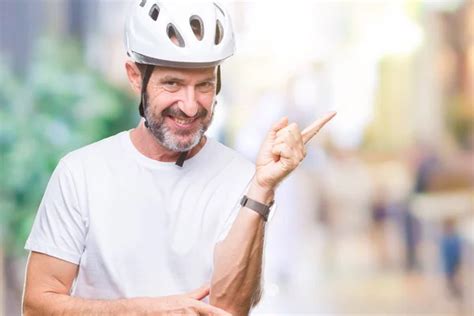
(137, 226)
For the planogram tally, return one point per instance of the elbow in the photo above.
(28, 307)
(34, 303)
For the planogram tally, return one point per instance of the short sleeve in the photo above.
(225, 227)
(59, 228)
(241, 171)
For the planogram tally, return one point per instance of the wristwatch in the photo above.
(258, 207)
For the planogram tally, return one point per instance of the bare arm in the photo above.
(47, 292)
(236, 281)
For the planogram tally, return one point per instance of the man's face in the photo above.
(180, 105)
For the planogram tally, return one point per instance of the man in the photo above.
(122, 229)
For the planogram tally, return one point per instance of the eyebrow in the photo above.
(213, 79)
(179, 80)
(171, 78)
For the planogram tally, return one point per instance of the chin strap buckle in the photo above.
(181, 158)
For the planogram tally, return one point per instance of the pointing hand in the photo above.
(283, 149)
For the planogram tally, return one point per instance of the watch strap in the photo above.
(260, 208)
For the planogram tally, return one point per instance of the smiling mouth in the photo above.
(186, 123)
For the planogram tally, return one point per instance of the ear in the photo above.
(134, 76)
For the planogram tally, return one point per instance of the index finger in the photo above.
(314, 128)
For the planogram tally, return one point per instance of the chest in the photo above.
(155, 211)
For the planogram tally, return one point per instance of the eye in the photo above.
(171, 85)
(206, 86)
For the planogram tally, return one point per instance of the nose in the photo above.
(188, 104)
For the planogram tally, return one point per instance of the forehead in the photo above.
(197, 73)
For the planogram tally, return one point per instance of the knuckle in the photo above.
(280, 139)
(295, 127)
(281, 133)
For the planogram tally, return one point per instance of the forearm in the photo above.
(62, 304)
(236, 279)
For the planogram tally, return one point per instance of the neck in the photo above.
(146, 144)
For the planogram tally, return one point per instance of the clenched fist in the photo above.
(283, 149)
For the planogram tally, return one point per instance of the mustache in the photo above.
(176, 112)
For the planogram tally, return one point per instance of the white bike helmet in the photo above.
(181, 34)
(188, 34)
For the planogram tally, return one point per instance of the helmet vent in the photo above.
(174, 35)
(219, 33)
(197, 26)
(154, 12)
(219, 8)
(142, 3)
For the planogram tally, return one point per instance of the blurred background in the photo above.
(379, 218)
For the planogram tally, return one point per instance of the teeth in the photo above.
(183, 122)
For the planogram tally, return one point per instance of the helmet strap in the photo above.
(181, 158)
(218, 84)
(143, 103)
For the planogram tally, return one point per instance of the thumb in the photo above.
(280, 124)
(199, 293)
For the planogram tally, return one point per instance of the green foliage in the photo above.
(61, 105)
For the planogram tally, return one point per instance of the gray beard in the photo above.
(166, 137)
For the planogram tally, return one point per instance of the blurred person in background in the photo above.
(411, 237)
(379, 212)
(425, 164)
(128, 223)
(451, 251)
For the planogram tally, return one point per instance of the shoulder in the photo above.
(232, 167)
(100, 151)
(230, 156)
